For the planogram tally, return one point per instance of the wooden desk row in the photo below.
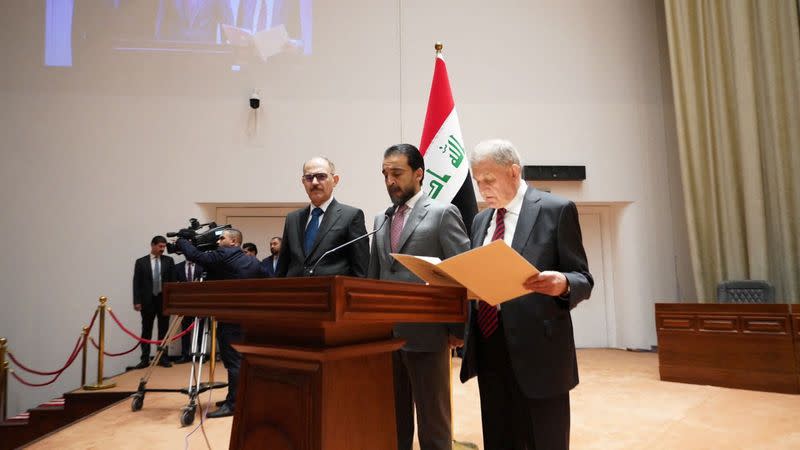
(743, 346)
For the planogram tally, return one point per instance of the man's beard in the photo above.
(401, 197)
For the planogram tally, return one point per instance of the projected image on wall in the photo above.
(252, 30)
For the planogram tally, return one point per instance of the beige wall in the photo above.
(97, 159)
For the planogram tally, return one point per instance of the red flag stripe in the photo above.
(440, 105)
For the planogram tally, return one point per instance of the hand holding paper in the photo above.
(548, 282)
(494, 273)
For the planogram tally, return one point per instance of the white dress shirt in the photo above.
(510, 220)
(153, 259)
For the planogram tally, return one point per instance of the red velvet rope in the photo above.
(94, 344)
(91, 323)
(13, 374)
(57, 373)
(183, 333)
(146, 341)
(70, 359)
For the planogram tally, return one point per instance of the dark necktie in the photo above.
(487, 314)
(189, 272)
(311, 230)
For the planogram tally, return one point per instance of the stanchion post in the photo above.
(212, 360)
(83, 356)
(101, 351)
(3, 379)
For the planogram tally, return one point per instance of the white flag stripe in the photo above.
(443, 179)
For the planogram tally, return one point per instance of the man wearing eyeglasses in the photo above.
(323, 225)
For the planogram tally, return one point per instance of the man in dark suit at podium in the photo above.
(188, 271)
(227, 262)
(149, 273)
(425, 227)
(523, 351)
(323, 225)
(270, 264)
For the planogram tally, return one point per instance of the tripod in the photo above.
(195, 386)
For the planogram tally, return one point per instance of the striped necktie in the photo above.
(487, 314)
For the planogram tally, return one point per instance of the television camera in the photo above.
(203, 236)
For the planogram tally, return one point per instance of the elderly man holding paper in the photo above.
(523, 350)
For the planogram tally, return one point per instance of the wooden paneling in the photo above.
(741, 346)
(796, 333)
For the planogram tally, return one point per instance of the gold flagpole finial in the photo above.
(438, 47)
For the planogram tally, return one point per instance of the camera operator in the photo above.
(226, 262)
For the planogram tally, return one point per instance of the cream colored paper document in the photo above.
(493, 273)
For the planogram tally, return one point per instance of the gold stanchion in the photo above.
(101, 351)
(3, 379)
(212, 362)
(83, 356)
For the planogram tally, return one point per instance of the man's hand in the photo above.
(186, 233)
(454, 342)
(137, 306)
(548, 282)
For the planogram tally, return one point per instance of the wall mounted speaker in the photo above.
(554, 173)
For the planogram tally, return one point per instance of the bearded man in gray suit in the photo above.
(424, 227)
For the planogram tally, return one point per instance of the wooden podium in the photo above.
(317, 368)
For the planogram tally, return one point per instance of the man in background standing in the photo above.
(187, 271)
(270, 263)
(250, 248)
(149, 273)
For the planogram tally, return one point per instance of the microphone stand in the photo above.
(389, 213)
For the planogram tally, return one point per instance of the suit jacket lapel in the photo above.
(300, 229)
(414, 218)
(527, 218)
(483, 226)
(330, 217)
(385, 237)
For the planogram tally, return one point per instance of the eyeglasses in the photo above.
(309, 178)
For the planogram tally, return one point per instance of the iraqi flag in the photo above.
(447, 175)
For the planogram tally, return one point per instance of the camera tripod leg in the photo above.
(137, 399)
(193, 386)
(174, 325)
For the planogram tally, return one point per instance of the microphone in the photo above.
(386, 216)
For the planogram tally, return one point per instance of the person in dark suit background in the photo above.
(311, 231)
(188, 271)
(523, 351)
(226, 262)
(424, 227)
(270, 263)
(250, 248)
(149, 273)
